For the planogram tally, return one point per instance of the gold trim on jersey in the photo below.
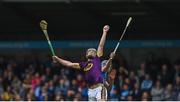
(88, 67)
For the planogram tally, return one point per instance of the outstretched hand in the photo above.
(106, 28)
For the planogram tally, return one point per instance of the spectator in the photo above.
(59, 97)
(37, 90)
(17, 97)
(55, 79)
(44, 93)
(157, 91)
(1, 85)
(177, 88)
(125, 92)
(48, 73)
(147, 83)
(80, 80)
(123, 73)
(35, 80)
(165, 75)
(16, 84)
(77, 97)
(142, 70)
(51, 90)
(169, 94)
(130, 98)
(61, 87)
(113, 95)
(27, 81)
(7, 95)
(133, 79)
(44, 78)
(70, 95)
(136, 92)
(84, 93)
(66, 81)
(74, 85)
(145, 96)
(30, 97)
(127, 82)
(177, 68)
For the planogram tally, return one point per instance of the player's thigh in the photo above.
(91, 95)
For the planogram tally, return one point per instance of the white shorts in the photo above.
(98, 93)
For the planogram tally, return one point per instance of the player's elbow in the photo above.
(104, 69)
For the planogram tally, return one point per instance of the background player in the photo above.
(108, 73)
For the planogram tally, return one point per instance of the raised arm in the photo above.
(65, 62)
(109, 63)
(102, 41)
(107, 66)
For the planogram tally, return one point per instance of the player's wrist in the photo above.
(105, 32)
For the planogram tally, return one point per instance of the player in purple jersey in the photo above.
(92, 69)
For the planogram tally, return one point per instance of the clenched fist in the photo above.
(106, 28)
(55, 59)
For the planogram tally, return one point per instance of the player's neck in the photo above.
(89, 59)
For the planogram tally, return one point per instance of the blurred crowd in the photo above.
(157, 79)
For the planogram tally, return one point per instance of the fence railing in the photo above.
(92, 43)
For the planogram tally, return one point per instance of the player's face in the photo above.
(91, 53)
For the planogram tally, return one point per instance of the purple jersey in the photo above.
(92, 71)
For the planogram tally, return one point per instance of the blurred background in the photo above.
(147, 61)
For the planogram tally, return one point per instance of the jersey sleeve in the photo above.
(82, 65)
(85, 66)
